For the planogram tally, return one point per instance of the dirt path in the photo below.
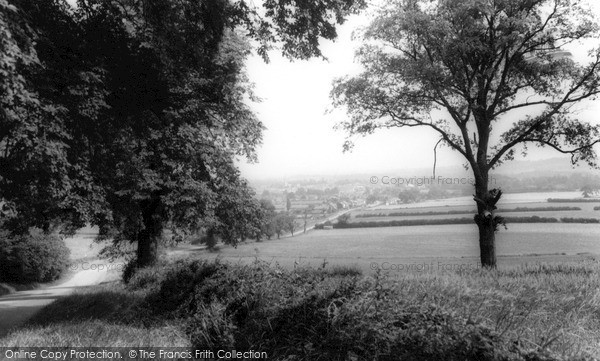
(17, 308)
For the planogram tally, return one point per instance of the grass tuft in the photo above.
(532, 312)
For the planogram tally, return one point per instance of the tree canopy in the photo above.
(129, 114)
(474, 60)
(486, 76)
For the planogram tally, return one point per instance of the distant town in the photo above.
(317, 198)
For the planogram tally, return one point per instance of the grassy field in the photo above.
(400, 245)
(395, 293)
(535, 312)
(376, 215)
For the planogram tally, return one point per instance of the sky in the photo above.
(299, 138)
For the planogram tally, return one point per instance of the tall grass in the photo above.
(530, 312)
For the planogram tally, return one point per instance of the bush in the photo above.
(34, 257)
(530, 219)
(318, 314)
(411, 214)
(579, 220)
(177, 284)
(540, 209)
(145, 279)
(443, 221)
(130, 270)
(323, 225)
(572, 200)
(453, 212)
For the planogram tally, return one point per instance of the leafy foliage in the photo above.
(334, 314)
(589, 190)
(34, 257)
(33, 162)
(129, 114)
(465, 68)
(267, 228)
(476, 61)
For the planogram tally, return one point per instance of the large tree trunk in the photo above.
(486, 220)
(487, 243)
(211, 238)
(149, 236)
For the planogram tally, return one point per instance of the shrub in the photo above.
(323, 225)
(147, 278)
(177, 284)
(579, 220)
(130, 270)
(454, 212)
(405, 222)
(530, 219)
(443, 221)
(211, 328)
(540, 209)
(410, 214)
(344, 218)
(34, 257)
(321, 314)
(343, 270)
(572, 200)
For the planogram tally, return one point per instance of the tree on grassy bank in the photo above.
(129, 114)
(481, 64)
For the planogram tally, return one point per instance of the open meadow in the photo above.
(386, 293)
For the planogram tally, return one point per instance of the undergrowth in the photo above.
(532, 313)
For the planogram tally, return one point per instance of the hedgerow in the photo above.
(33, 257)
(315, 314)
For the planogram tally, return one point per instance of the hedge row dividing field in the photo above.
(464, 220)
(450, 212)
(527, 313)
(573, 200)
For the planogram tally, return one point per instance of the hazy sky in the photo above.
(300, 139)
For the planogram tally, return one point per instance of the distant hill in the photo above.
(546, 167)
(519, 169)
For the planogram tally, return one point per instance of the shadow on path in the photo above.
(17, 308)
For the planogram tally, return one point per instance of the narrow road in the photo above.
(17, 308)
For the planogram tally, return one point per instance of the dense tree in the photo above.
(410, 195)
(308, 210)
(279, 224)
(34, 170)
(588, 190)
(343, 219)
(267, 227)
(487, 77)
(371, 198)
(288, 201)
(284, 222)
(290, 223)
(129, 114)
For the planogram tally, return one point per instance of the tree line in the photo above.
(129, 114)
